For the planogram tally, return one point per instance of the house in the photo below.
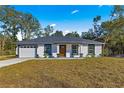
(58, 46)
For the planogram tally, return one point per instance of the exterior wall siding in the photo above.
(40, 50)
(68, 50)
(84, 49)
(98, 50)
(57, 48)
(17, 50)
(54, 50)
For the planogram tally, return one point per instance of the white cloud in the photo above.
(115, 15)
(104, 5)
(53, 25)
(74, 11)
(100, 5)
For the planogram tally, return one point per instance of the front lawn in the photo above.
(92, 72)
(7, 57)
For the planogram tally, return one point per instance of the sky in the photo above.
(67, 18)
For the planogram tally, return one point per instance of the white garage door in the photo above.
(26, 52)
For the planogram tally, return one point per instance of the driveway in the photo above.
(8, 62)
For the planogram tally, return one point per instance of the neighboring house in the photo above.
(55, 46)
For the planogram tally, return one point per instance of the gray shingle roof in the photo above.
(58, 40)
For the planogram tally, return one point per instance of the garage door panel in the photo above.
(26, 52)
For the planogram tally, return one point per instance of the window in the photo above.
(32, 46)
(91, 49)
(27, 46)
(47, 49)
(21, 46)
(74, 49)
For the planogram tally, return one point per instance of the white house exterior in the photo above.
(58, 47)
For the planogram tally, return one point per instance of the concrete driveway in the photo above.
(8, 62)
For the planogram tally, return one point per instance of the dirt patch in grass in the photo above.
(7, 57)
(91, 72)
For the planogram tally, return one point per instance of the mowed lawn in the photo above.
(78, 73)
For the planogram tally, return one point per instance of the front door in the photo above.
(62, 50)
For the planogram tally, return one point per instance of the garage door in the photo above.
(27, 51)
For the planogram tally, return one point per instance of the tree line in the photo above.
(110, 32)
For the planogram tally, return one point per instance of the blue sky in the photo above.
(67, 18)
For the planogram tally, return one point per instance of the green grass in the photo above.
(92, 72)
(7, 57)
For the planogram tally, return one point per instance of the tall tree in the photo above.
(48, 30)
(2, 43)
(8, 18)
(88, 35)
(29, 26)
(13, 21)
(72, 34)
(58, 33)
(118, 10)
(97, 27)
(114, 31)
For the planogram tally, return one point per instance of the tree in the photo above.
(8, 18)
(13, 22)
(48, 30)
(29, 26)
(57, 33)
(97, 27)
(6, 43)
(95, 33)
(88, 35)
(72, 34)
(118, 10)
(2, 43)
(114, 32)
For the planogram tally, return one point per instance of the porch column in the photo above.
(79, 49)
(36, 55)
(57, 48)
(17, 51)
(40, 50)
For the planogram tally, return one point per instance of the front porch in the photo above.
(63, 50)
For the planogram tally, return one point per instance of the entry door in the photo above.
(62, 50)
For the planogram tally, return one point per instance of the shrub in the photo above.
(46, 55)
(7, 52)
(90, 55)
(58, 55)
(106, 52)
